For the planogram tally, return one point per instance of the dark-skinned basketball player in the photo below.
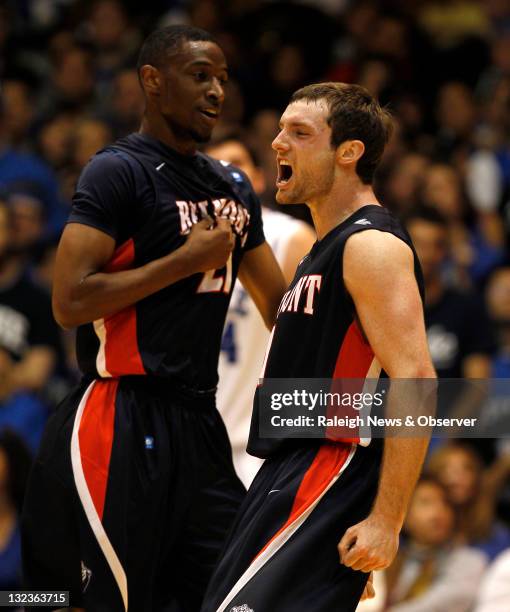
(133, 489)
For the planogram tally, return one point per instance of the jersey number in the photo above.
(215, 281)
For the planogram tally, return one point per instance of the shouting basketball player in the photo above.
(320, 516)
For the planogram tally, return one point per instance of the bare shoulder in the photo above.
(376, 250)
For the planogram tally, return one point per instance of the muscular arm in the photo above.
(378, 273)
(262, 277)
(83, 292)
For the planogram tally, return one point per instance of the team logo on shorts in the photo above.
(86, 575)
(243, 608)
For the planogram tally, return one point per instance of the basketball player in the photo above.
(134, 488)
(320, 516)
(245, 336)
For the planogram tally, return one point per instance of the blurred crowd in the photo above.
(69, 87)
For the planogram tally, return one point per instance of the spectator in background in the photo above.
(127, 103)
(71, 85)
(458, 329)
(19, 111)
(89, 137)
(430, 572)
(401, 185)
(15, 462)
(114, 40)
(476, 238)
(456, 114)
(473, 492)
(28, 342)
(498, 303)
(245, 336)
(28, 217)
(18, 167)
(54, 140)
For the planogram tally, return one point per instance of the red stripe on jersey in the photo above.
(96, 439)
(355, 355)
(122, 258)
(326, 465)
(354, 360)
(122, 355)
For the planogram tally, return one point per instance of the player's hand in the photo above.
(208, 248)
(369, 591)
(369, 545)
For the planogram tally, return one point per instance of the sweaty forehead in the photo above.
(192, 51)
(310, 112)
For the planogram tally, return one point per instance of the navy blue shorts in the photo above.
(131, 498)
(282, 553)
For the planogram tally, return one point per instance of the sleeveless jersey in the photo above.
(148, 196)
(245, 339)
(316, 334)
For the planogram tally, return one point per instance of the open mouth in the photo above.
(211, 113)
(284, 172)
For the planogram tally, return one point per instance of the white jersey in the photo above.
(243, 348)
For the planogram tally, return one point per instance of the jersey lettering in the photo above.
(291, 300)
(218, 280)
(191, 213)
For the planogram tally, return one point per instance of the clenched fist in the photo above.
(208, 248)
(369, 545)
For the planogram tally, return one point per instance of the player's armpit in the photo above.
(262, 277)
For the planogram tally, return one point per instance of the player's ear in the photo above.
(151, 80)
(349, 152)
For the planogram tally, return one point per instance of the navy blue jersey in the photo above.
(317, 334)
(147, 197)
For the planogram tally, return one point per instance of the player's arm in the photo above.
(83, 293)
(379, 275)
(298, 245)
(262, 277)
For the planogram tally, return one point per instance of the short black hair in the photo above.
(164, 42)
(428, 214)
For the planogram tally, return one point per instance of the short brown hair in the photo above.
(354, 114)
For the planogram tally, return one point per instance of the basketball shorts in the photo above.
(281, 554)
(131, 497)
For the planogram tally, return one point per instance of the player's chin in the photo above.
(285, 197)
(203, 135)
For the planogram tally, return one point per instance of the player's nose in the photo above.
(279, 143)
(216, 92)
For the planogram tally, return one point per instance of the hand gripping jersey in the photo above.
(147, 197)
(316, 334)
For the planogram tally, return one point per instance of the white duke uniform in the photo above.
(243, 347)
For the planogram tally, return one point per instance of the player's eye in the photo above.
(201, 76)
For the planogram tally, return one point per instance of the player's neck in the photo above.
(157, 127)
(341, 202)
